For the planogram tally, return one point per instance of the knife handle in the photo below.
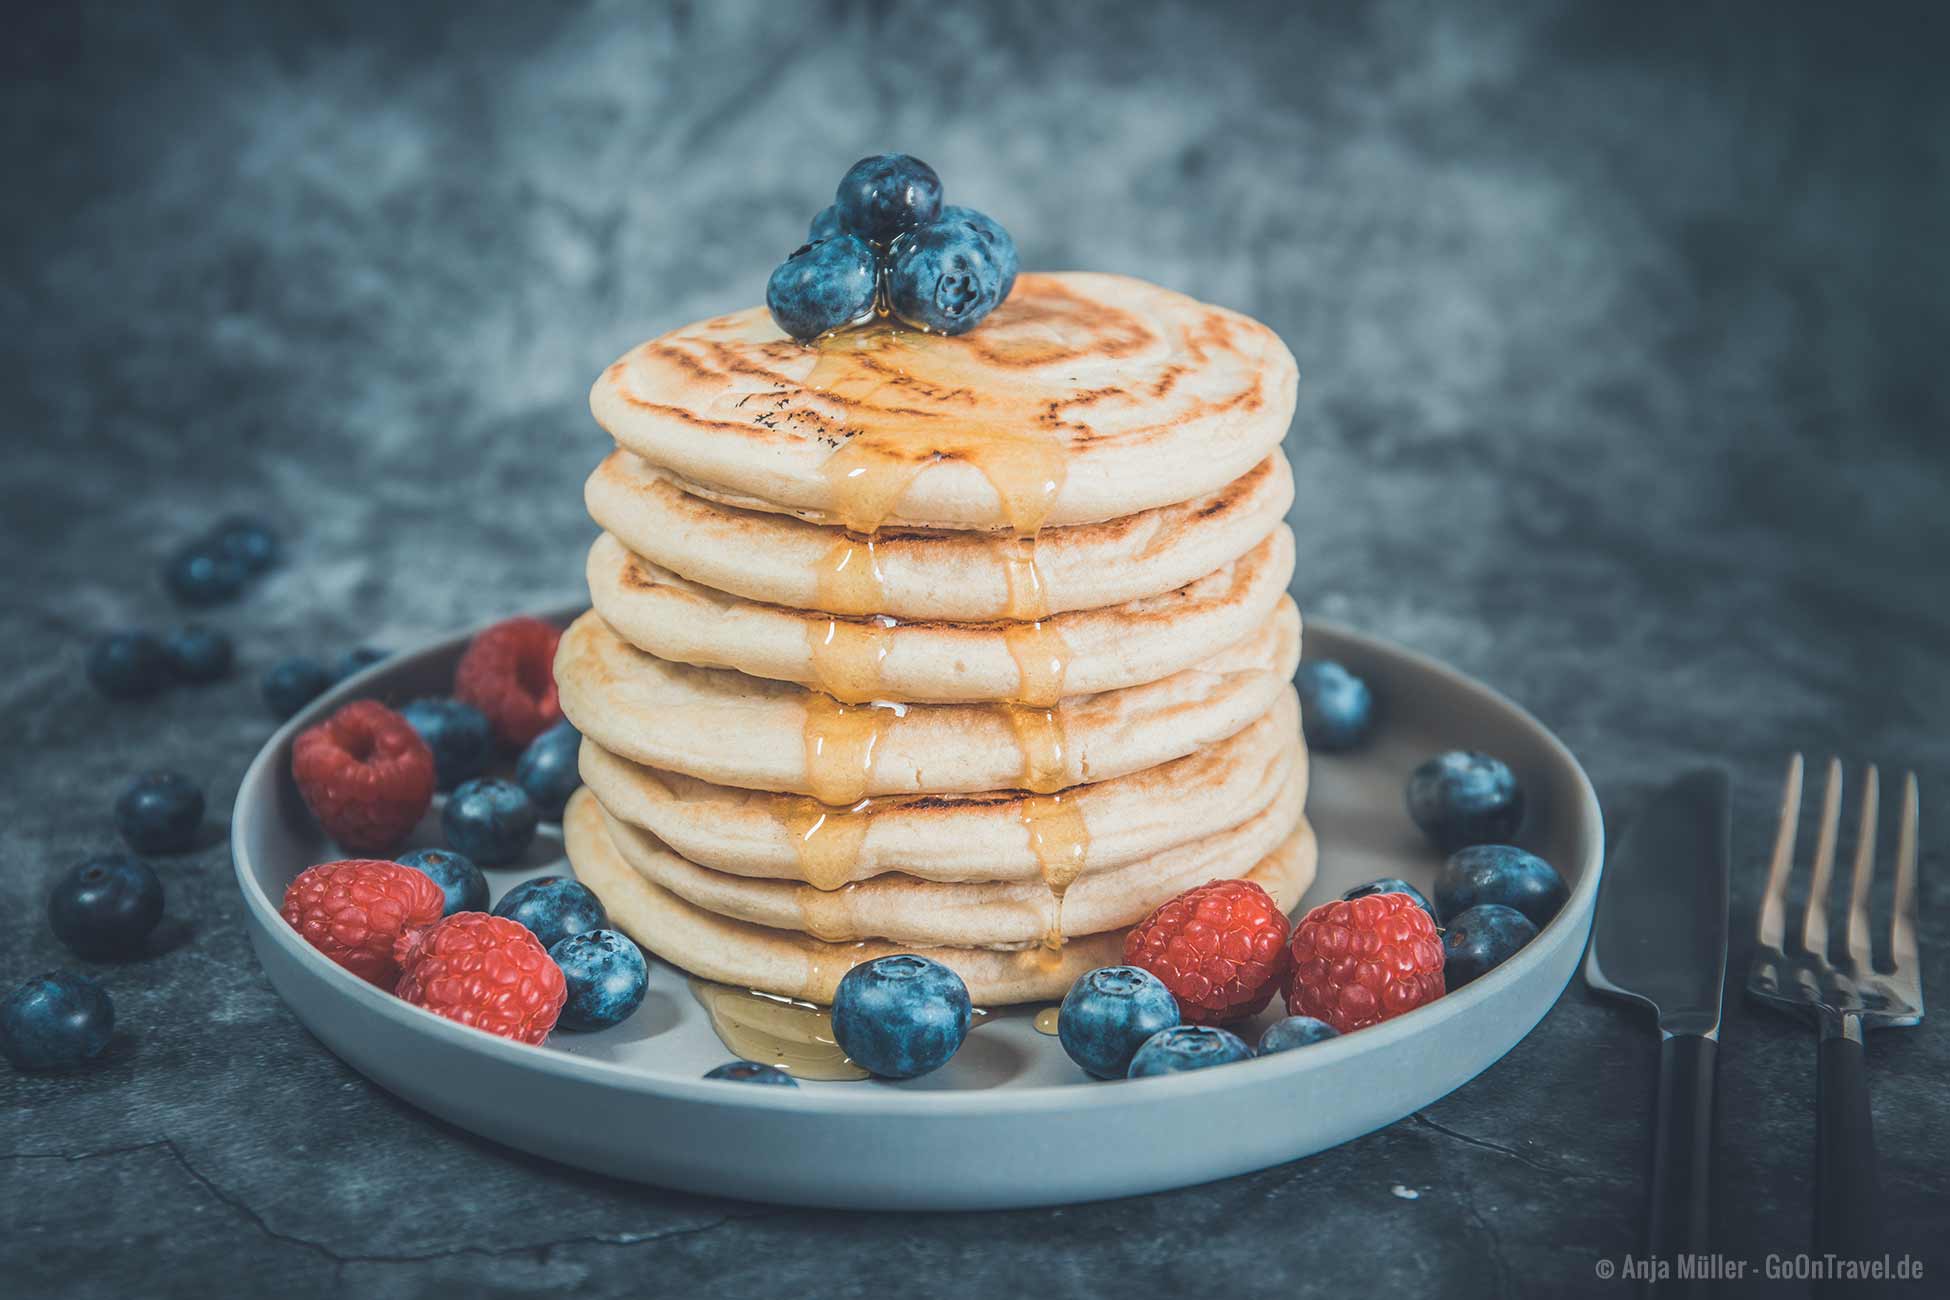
(1682, 1149)
(1847, 1192)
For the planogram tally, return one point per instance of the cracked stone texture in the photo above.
(1621, 330)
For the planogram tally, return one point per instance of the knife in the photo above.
(1660, 938)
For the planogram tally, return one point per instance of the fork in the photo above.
(1844, 997)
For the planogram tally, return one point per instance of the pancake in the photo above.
(790, 964)
(901, 909)
(965, 576)
(731, 729)
(932, 662)
(953, 838)
(1082, 398)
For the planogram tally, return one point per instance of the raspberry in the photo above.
(366, 775)
(1219, 948)
(356, 911)
(484, 971)
(1359, 962)
(508, 673)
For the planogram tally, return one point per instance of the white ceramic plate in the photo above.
(1010, 1121)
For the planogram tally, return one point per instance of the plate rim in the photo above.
(852, 1101)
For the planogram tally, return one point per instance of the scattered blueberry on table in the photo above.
(607, 979)
(1393, 885)
(198, 654)
(159, 812)
(1109, 1013)
(1187, 1047)
(356, 660)
(293, 683)
(553, 908)
(127, 665)
(1295, 1031)
(202, 572)
(548, 769)
(459, 879)
(1336, 707)
(1499, 873)
(902, 1016)
(752, 1072)
(460, 736)
(56, 1021)
(1481, 938)
(491, 821)
(106, 906)
(1464, 797)
(249, 541)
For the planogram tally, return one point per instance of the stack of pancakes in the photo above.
(977, 647)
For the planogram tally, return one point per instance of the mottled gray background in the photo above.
(1622, 331)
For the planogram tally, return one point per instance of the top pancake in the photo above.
(1083, 398)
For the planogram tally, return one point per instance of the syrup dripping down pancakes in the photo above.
(977, 646)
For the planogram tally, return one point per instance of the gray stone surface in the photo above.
(1622, 331)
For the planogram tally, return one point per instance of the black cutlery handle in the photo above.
(1682, 1151)
(1847, 1194)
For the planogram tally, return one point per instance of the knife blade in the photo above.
(1660, 939)
(1661, 930)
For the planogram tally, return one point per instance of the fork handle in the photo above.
(1847, 1190)
(1682, 1150)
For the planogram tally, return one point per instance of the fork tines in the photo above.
(1805, 974)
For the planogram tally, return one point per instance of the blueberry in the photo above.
(459, 879)
(548, 769)
(943, 277)
(881, 196)
(1464, 797)
(356, 660)
(607, 978)
(553, 908)
(293, 683)
(1480, 938)
(203, 573)
(1002, 249)
(198, 654)
(124, 665)
(460, 736)
(1109, 1013)
(491, 821)
(825, 225)
(752, 1072)
(249, 541)
(159, 812)
(1336, 709)
(1393, 885)
(1294, 1031)
(55, 1021)
(106, 907)
(902, 1016)
(1500, 873)
(1187, 1047)
(822, 286)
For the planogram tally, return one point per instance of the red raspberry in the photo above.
(356, 911)
(366, 775)
(508, 673)
(485, 971)
(1359, 962)
(1219, 948)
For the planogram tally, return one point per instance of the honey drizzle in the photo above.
(880, 451)
(1046, 1020)
(795, 1036)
